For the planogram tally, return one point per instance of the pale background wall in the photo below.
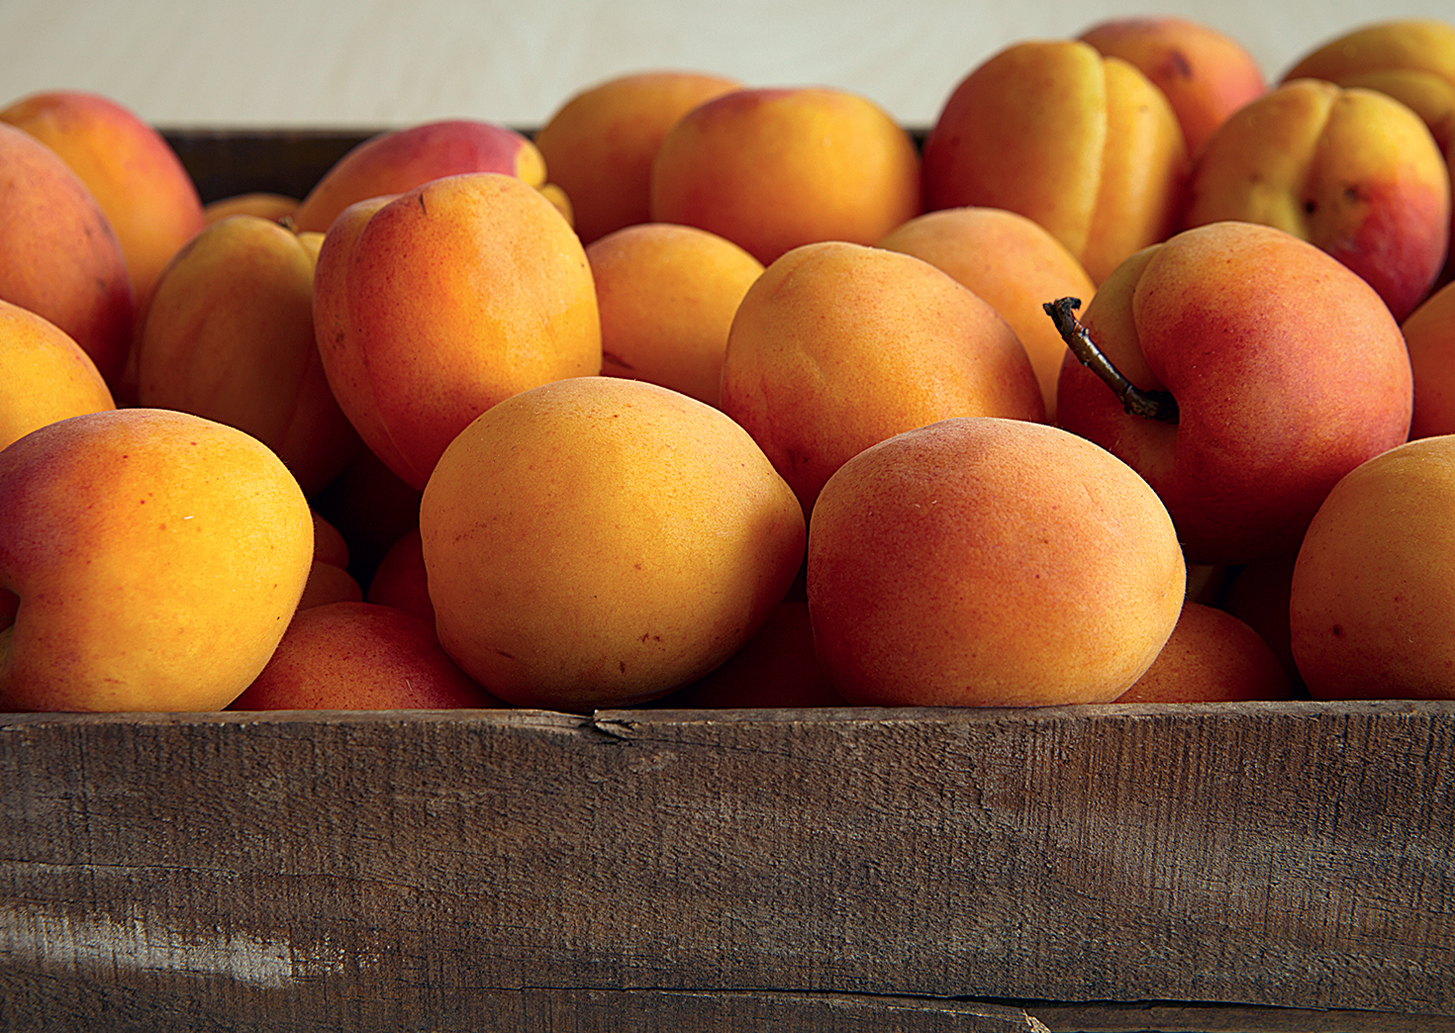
(352, 63)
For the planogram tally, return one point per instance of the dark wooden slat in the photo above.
(225, 163)
(1182, 1018)
(363, 870)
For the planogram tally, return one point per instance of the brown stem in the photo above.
(1152, 405)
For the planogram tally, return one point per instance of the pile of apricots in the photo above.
(1129, 380)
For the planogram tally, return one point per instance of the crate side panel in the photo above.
(1280, 855)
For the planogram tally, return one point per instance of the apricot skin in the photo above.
(1211, 657)
(400, 160)
(229, 335)
(45, 376)
(838, 346)
(59, 256)
(140, 183)
(1353, 171)
(157, 556)
(1086, 146)
(774, 168)
(1374, 582)
(1287, 369)
(598, 542)
(1013, 263)
(989, 562)
(410, 352)
(1205, 74)
(667, 295)
(352, 655)
(600, 145)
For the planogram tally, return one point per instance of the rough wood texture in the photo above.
(1181, 1018)
(403, 870)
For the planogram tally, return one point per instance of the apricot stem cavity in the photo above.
(1152, 405)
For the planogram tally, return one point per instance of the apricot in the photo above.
(409, 349)
(601, 542)
(399, 160)
(838, 345)
(1086, 146)
(980, 561)
(1268, 368)
(262, 203)
(1374, 583)
(1012, 262)
(157, 556)
(59, 256)
(329, 583)
(140, 183)
(1410, 59)
(1205, 74)
(351, 655)
(45, 376)
(1429, 334)
(600, 144)
(1353, 171)
(774, 168)
(329, 579)
(1211, 657)
(401, 580)
(775, 668)
(667, 295)
(229, 336)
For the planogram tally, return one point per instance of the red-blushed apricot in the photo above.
(45, 375)
(839, 345)
(1266, 368)
(1205, 74)
(1410, 59)
(1374, 583)
(351, 655)
(399, 160)
(229, 335)
(1353, 171)
(140, 183)
(1211, 657)
(1012, 262)
(1086, 146)
(59, 256)
(772, 169)
(667, 295)
(600, 144)
(1429, 334)
(981, 561)
(411, 353)
(601, 542)
(158, 558)
(401, 580)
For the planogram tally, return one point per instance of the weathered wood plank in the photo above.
(363, 870)
(1181, 1018)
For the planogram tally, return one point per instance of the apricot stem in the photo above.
(1152, 405)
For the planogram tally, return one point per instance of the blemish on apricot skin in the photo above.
(1338, 631)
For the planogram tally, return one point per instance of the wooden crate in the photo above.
(857, 869)
(1238, 868)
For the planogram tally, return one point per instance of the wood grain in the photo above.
(412, 870)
